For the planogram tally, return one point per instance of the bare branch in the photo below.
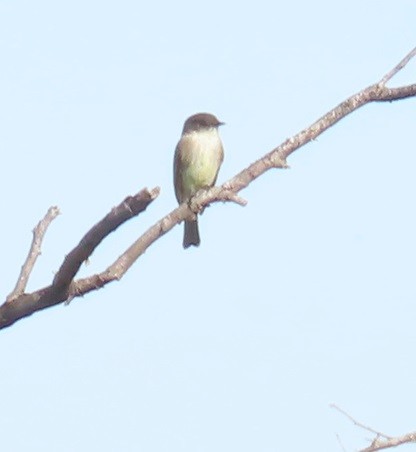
(381, 441)
(65, 288)
(340, 444)
(398, 67)
(34, 252)
(380, 444)
(358, 424)
(130, 207)
(277, 157)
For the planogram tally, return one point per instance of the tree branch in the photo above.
(64, 287)
(34, 253)
(398, 67)
(381, 441)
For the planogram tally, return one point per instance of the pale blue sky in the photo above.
(304, 297)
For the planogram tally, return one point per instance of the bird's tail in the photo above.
(191, 235)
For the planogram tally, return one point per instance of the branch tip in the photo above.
(398, 67)
(38, 232)
(154, 192)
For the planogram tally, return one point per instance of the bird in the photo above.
(197, 161)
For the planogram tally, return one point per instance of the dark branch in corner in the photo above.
(19, 305)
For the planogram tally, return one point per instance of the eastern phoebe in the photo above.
(198, 157)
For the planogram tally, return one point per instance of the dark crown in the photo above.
(201, 121)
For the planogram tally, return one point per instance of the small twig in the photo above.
(381, 441)
(359, 424)
(398, 67)
(228, 195)
(214, 194)
(340, 443)
(34, 252)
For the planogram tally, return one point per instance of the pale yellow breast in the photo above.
(204, 160)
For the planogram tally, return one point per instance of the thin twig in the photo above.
(340, 443)
(34, 252)
(359, 424)
(381, 441)
(398, 67)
